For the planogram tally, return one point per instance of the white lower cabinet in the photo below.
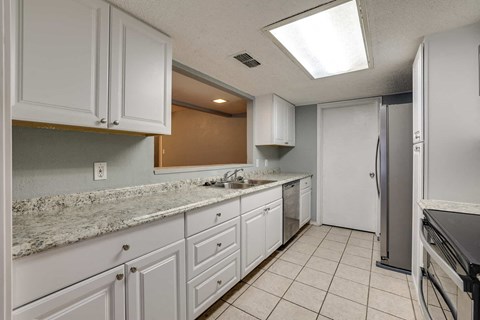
(155, 290)
(211, 285)
(262, 227)
(305, 200)
(273, 227)
(156, 284)
(101, 297)
(305, 206)
(253, 239)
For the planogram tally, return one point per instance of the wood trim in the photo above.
(5, 165)
(42, 125)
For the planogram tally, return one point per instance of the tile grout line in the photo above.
(370, 278)
(336, 269)
(303, 267)
(281, 298)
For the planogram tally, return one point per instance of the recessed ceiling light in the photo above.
(219, 100)
(325, 41)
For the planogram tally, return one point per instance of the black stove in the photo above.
(462, 232)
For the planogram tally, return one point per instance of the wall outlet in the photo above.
(99, 171)
(266, 162)
(257, 163)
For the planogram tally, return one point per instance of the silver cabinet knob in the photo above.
(219, 244)
(372, 175)
(219, 214)
(133, 269)
(120, 276)
(126, 247)
(219, 282)
(103, 120)
(286, 142)
(116, 122)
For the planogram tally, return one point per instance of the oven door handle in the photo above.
(442, 264)
(423, 303)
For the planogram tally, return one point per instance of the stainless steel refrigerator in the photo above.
(394, 152)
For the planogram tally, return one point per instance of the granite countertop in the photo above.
(44, 223)
(442, 205)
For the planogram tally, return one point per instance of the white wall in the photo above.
(453, 113)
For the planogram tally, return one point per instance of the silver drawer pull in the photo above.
(219, 244)
(120, 276)
(126, 247)
(133, 269)
(219, 214)
(219, 282)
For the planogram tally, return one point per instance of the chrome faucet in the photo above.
(228, 175)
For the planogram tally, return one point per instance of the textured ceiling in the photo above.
(207, 33)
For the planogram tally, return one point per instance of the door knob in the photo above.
(372, 175)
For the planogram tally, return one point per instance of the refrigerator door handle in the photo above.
(376, 165)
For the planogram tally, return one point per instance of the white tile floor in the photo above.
(324, 273)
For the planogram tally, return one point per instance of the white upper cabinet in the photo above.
(418, 104)
(61, 62)
(141, 72)
(274, 121)
(77, 64)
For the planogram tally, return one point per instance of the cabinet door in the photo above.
(417, 251)
(156, 284)
(61, 62)
(290, 125)
(141, 72)
(280, 124)
(418, 104)
(273, 227)
(100, 297)
(253, 239)
(305, 206)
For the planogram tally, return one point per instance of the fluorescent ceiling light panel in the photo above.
(325, 43)
(219, 101)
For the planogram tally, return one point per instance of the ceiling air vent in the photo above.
(247, 60)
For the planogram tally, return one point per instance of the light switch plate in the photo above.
(99, 171)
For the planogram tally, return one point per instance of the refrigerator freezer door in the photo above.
(383, 182)
(396, 185)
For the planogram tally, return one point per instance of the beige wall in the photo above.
(200, 138)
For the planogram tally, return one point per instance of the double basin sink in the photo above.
(241, 184)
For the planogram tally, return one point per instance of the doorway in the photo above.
(349, 133)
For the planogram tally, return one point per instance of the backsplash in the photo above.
(51, 162)
(35, 205)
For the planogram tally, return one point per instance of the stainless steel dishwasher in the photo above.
(291, 209)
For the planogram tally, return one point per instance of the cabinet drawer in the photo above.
(211, 285)
(306, 183)
(40, 274)
(258, 199)
(205, 218)
(211, 246)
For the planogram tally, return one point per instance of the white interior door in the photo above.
(349, 143)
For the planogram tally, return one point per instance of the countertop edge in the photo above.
(452, 206)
